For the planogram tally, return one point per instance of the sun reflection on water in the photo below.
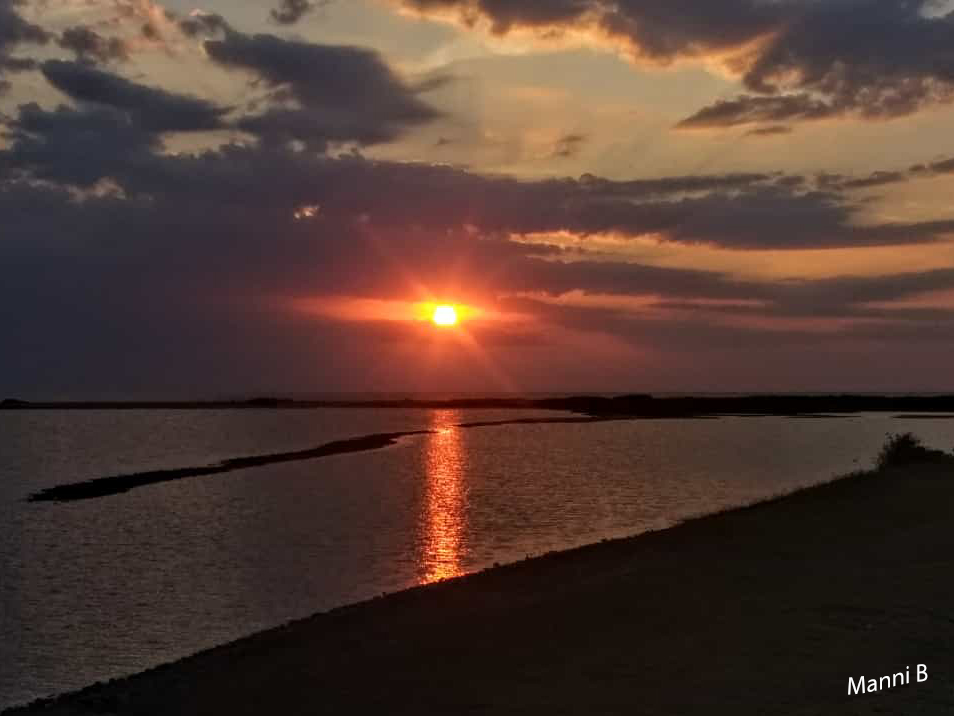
(444, 498)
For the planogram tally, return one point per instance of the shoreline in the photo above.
(633, 405)
(772, 606)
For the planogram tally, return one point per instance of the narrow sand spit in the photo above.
(763, 610)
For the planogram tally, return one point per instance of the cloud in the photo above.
(204, 252)
(878, 178)
(771, 131)
(89, 46)
(116, 248)
(653, 30)
(749, 109)
(75, 147)
(741, 211)
(150, 108)
(14, 30)
(322, 93)
(204, 24)
(115, 132)
(289, 12)
(800, 60)
(881, 177)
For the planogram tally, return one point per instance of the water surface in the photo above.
(106, 587)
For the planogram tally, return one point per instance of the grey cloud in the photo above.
(878, 178)
(750, 109)
(89, 46)
(342, 93)
(289, 12)
(771, 131)
(945, 166)
(204, 24)
(14, 30)
(202, 246)
(881, 177)
(881, 58)
(735, 210)
(17, 64)
(150, 108)
(75, 147)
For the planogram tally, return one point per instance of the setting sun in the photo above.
(444, 316)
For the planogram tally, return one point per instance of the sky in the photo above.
(241, 198)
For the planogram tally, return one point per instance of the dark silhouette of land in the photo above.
(762, 610)
(115, 484)
(639, 405)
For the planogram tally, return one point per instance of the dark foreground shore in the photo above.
(764, 610)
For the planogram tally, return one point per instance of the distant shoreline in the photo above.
(637, 405)
(769, 608)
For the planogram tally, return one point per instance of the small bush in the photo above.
(902, 449)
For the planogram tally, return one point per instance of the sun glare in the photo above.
(444, 316)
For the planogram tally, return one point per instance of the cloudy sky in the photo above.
(655, 195)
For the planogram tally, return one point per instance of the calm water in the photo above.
(106, 587)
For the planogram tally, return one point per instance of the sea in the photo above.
(101, 588)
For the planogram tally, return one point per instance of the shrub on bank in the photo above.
(904, 449)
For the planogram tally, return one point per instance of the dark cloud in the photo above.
(735, 210)
(339, 93)
(289, 12)
(149, 108)
(204, 24)
(878, 178)
(841, 182)
(945, 166)
(14, 30)
(89, 46)
(749, 109)
(17, 64)
(76, 147)
(658, 30)
(203, 252)
(115, 133)
(187, 271)
(876, 58)
(799, 59)
(678, 184)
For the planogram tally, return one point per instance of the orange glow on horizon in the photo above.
(374, 309)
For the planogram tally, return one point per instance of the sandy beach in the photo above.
(769, 609)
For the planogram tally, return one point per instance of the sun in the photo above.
(444, 316)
